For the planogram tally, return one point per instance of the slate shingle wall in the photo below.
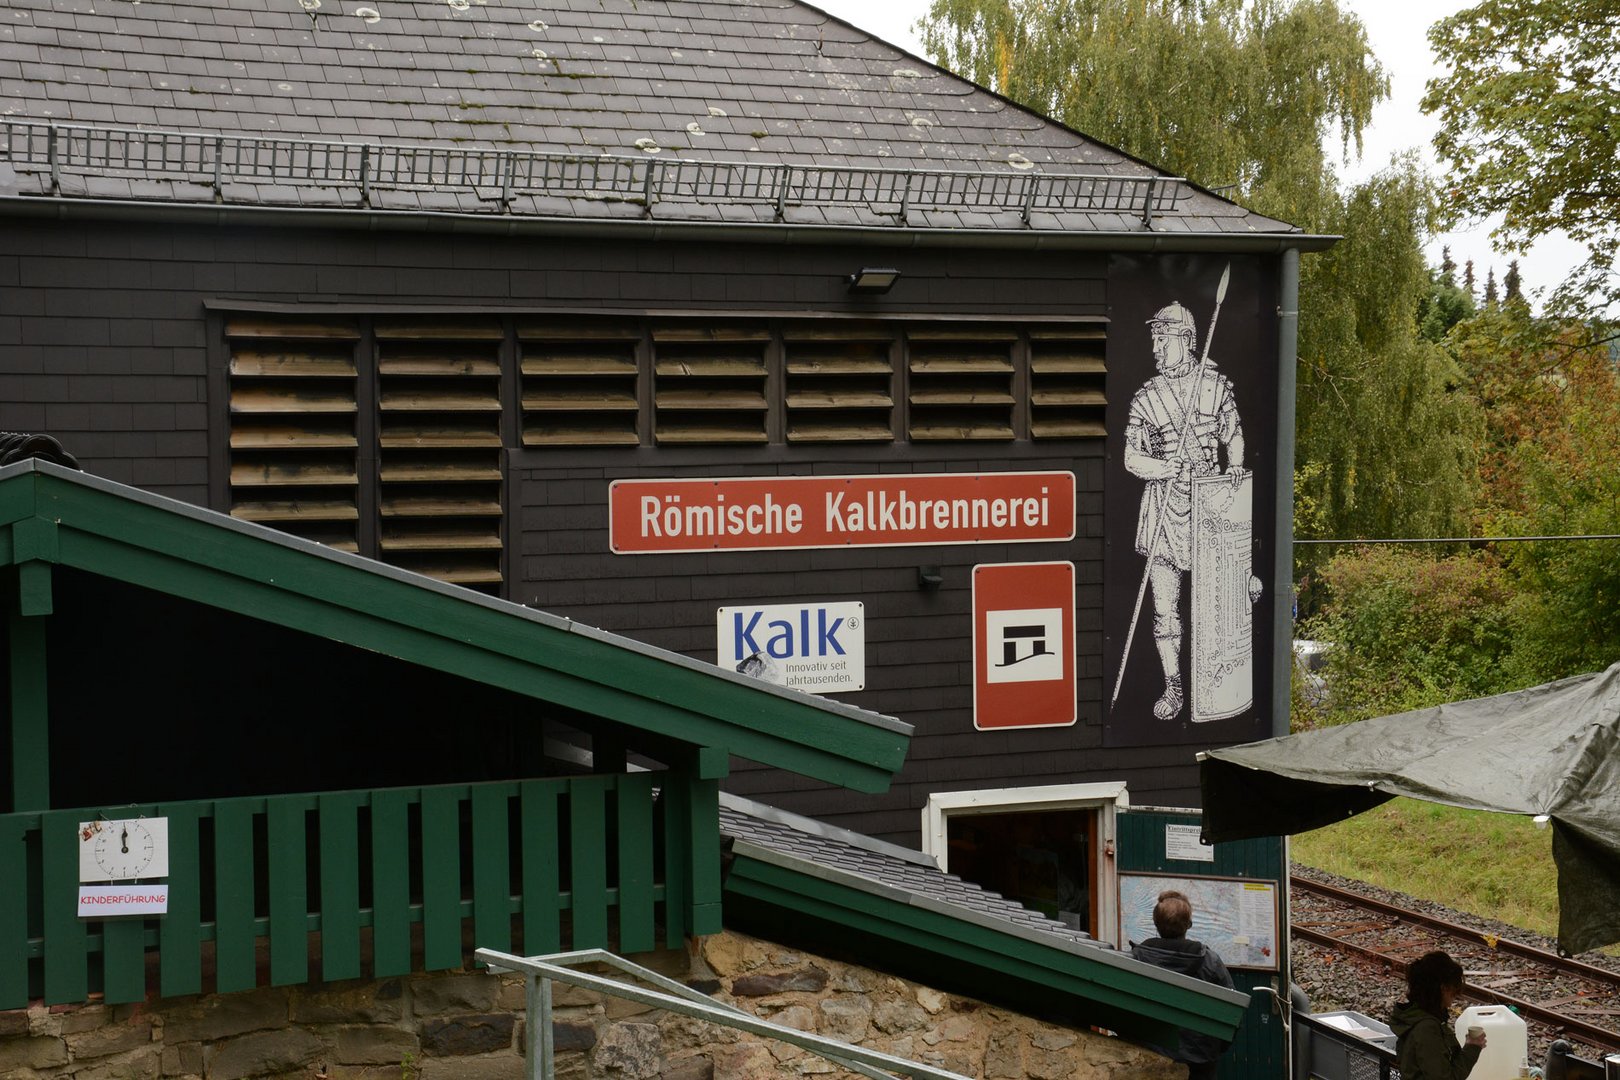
(104, 343)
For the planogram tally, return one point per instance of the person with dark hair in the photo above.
(1424, 1044)
(1174, 951)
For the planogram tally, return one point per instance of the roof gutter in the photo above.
(63, 209)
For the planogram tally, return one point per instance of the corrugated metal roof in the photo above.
(574, 109)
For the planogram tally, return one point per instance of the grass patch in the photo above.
(1496, 865)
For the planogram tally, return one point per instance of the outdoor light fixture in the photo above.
(929, 578)
(872, 280)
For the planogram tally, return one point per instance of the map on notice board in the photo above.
(1236, 917)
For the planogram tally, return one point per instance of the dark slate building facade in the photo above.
(559, 303)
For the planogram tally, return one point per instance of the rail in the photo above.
(540, 971)
(218, 163)
(1545, 1013)
(1457, 930)
(393, 875)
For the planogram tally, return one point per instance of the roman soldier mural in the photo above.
(1192, 356)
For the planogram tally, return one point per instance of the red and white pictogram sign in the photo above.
(902, 509)
(1023, 645)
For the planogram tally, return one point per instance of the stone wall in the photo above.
(471, 1027)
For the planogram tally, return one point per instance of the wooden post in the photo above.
(30, 716)
(707, 767)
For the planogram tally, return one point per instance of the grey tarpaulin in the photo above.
(1552, 749)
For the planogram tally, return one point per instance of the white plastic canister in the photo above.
(1507, 1044)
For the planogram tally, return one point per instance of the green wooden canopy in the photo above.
(955, 947)
(56, 517)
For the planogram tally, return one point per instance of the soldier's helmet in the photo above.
(1173, 319)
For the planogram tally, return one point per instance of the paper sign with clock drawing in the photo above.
(124, 850)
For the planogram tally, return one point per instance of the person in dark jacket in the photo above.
(1424, 1044)
(1174, 951)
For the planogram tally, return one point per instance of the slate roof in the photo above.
(821, 849)
(754, 111)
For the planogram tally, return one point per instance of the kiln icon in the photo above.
(1023, 645)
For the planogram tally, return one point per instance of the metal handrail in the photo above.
(498, 177)
(540, 971)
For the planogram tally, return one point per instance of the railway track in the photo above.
(1562, 996)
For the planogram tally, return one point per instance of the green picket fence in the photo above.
(534, 865)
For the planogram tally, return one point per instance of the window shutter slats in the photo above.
(709, 385)
(248, 327)
(304, 471)
(289, 510)
(293, 439)
(580, 384)
(292, 399)
(1068, 381)
(284, 436)
(292, 362)
(961, 385)
(839, 388)
(439, 439)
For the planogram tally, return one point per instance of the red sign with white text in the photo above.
(1023, 645)
(903, 509)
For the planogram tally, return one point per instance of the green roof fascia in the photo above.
(999, 949)
(201, 555)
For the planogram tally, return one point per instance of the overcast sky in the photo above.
(1398, 32)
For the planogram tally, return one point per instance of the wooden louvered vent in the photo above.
(961, 384)
(579, 385)
(293, 437)
(709, 385)
(439, 440)
(1068, 373)
(839, 386)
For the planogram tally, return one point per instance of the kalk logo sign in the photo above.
(814, 647)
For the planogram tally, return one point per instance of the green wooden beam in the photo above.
(30, 716)
(34, 539)
(34, 588)
(200, 556)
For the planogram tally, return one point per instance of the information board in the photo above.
(1237, 917)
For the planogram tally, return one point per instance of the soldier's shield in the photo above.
(1222, 682)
